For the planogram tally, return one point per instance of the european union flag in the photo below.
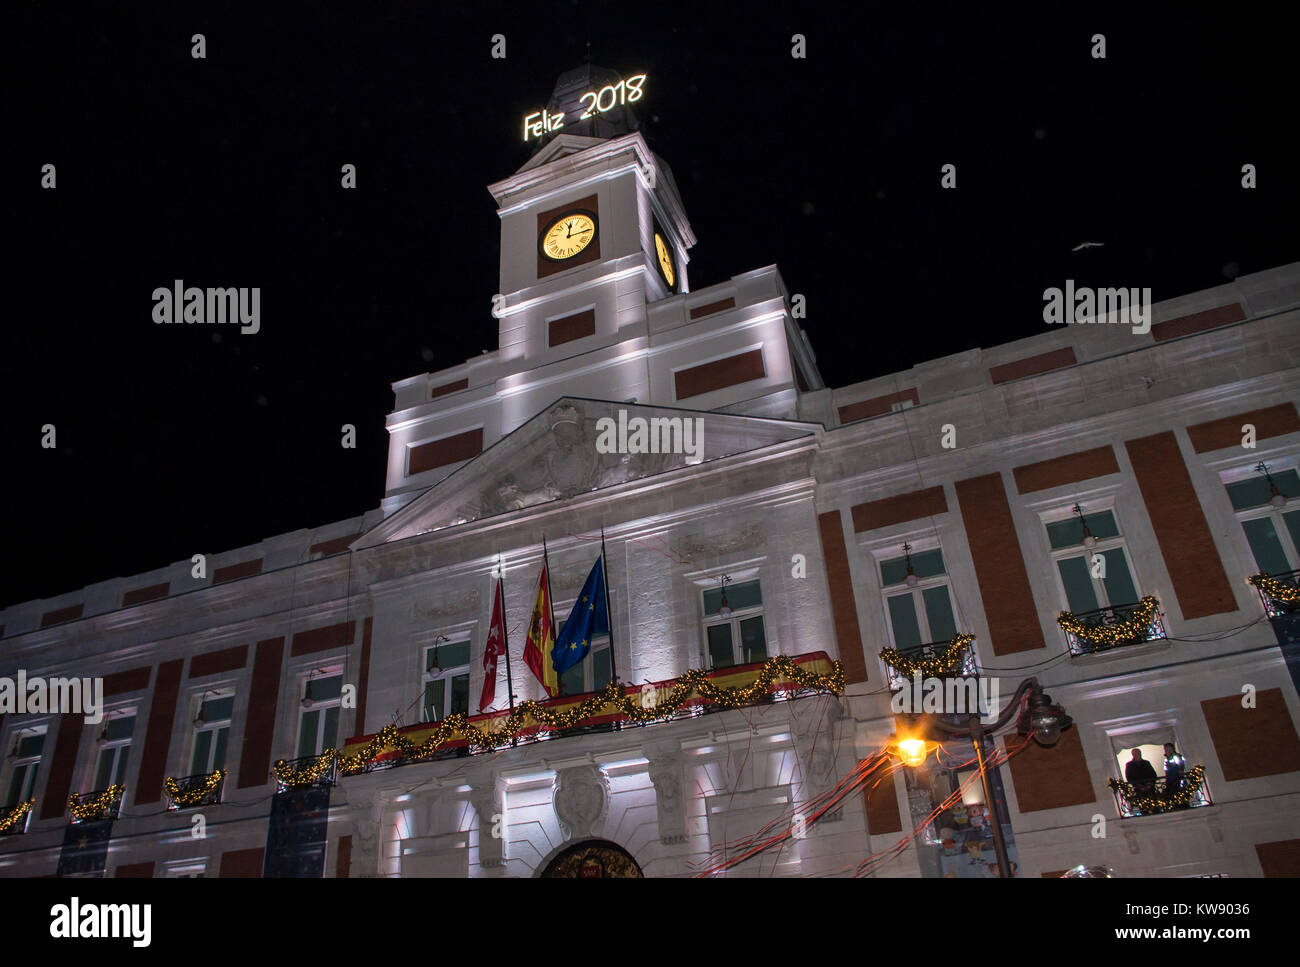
(587, 620)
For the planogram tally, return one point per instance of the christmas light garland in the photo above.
(1157, 802)
(1132, 628)
(83, 809)
(302, 778)
(930, 666)
(1275, 589)
(184, 799)
(15, 815)
(534, 714)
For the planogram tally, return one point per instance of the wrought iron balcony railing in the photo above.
(1279, 592)
(307, 771)
(938, 659)
(1090, 632)
(1161, 795)
(14, 819)
(87, 807)
(190, 792)
(618, 705)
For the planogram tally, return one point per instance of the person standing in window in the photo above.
(1140, 774)
(1175, 769)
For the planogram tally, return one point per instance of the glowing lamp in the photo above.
(912, 751)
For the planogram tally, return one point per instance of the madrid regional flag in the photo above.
(541, 636)
(587, 620)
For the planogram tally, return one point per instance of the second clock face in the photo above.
(568, 235)
(665, 256)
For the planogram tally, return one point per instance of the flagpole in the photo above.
(505, 639)
(550, 603)
(609, 617)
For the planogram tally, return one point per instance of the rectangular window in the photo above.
(114, 749)
(26, 762)
(211, 732)
(446, 679)
(738, 637)
(1273, 533)
(1093, 577)
(592, 673)
(921, 614)
(318, 727)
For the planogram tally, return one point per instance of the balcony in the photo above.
(1093, 632)
(616, 706)
(191, 792)
(1280, 593)
(14, 819)
(307, 772)
(938, 659)
(1156, 798)
(89, 807)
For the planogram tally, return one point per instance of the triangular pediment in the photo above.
(561, 146)
(561, 453)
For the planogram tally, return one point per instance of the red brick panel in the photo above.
(158, 733)
(1043, 363)
(70, 613)
(140, 595)
(1009, 603)
(259, 724)
(897, 510)
(1197, 322)
(699, 312)
(119, 683)
(244, 863)
(440, 453)
(142, 871)
(344, 867)
(1054, 776)
(844, 608)
(863, 409)
(1186, 544)
(323, 639)
(446, 388)
(572, 327)
(591, 253)
(1065, 470)
(882, 807)
(1253, 742)
(232, 572)
(336, 546)
(1281, 858)
(1224, 433)
(66, 746)
(216, 662)
(363, 676)
(720, 374)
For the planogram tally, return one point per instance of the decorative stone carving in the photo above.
(368, 809)
(467, 602)
(581, 800)
(488, 798)
(666, 774)
(694, 545)
(811, 733)
(1131, 837)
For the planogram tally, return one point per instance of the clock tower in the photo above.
(594, 297)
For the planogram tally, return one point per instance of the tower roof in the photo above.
(615, 122)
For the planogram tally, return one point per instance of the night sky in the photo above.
(225, 172)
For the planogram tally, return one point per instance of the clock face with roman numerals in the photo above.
(568, 235)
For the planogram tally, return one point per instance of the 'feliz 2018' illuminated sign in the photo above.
(595, 102)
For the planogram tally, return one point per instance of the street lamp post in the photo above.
(1039, 717)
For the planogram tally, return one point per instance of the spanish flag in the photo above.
(541, 636)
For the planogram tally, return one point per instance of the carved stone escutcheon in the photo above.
(666, 774)
(581, 800)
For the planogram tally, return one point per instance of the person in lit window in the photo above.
(1140, 774)
(1175, 770)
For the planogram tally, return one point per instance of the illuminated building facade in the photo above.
(973, 495)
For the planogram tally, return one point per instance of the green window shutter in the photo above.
(307, 734)
(902, 617)
(752, 640)
(1079, 590)
(938, 610)
(720, 653)
(1118, 581)
(1265, 545)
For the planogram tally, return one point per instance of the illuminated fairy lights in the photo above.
(1134, 628)
(944, 662)
(183, 799)
(1275, 589)
(290, 778)
(15, 816)
(83, 809)
(1157, 802)
(612, 700)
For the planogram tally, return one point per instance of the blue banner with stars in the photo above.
(587, 620)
